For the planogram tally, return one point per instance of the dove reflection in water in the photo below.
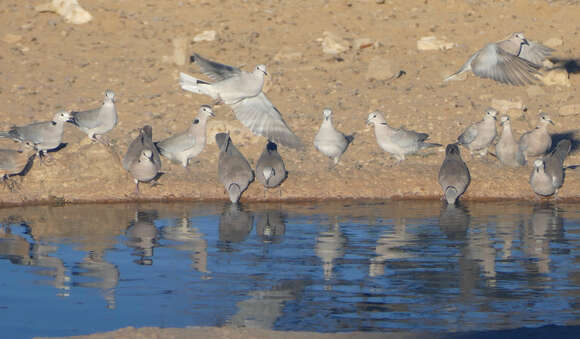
(142, 236)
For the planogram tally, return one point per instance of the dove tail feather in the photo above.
(194, 85)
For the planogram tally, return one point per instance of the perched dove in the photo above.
(479, 136)
(507, 149)
(397, 141)
(454, 175)
(242, 91)
(98, 121)
(142, 158)
(548, 173)
(328, 140)
(270, 169)
(537, 141)
(184, 146)
(14, 162)
(45, 136)
(513, 61)
(234, 171)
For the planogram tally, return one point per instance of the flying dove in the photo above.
(98, 121)
(189, 144)
(480, 135)
(329, 141)
(142, 158)
(242, 91)
(548, 174)
(234, 171)
(454, 175)
(507, 149)
(537, 141)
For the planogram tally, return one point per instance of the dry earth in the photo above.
(48, 64)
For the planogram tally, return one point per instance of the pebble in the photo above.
(333, 44)
(69, 9)
(431, 43)
(205, 36)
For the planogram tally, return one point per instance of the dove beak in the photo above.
(553, 124)
(525, 42)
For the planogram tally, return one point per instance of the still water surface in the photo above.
(327, 267)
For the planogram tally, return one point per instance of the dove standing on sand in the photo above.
(537, 141)
(548, 173)
(98, 121)
(242, 91)
(513, 61)
(14, 162)
(142, 158)
(270, 169)
(397, 141)
(45, 136)
(454, 175)
(507, 149)
(480, 135)
(234, 170)
(184, 146)
(328, 140)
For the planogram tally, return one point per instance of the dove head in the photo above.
(146, 131)
(452, 150)
(519, 38)
(205, 111)
(545, 120)
(327, 113)
(271, 146)
(62, 116)
(261, 70)
(234, 191)
(505, 120)
(539, 165)
(490, 114)
(376, 117)
(109, 96)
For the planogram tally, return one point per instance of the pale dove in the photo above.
(189, 144)
(397, 141)
(507, 149)
(45, 136)
(537, 141)
(15, 162)
(513, 61)
(242, 91)
(270, 169)
(479, 136)
(142, 158)
(548, 174)
(330, 141)
(234, 171)
(98, 121)
(454, 175)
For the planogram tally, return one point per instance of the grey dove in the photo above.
(513, 61)
(480, 135)
(189, 144)
(234, 170)
(142, 158)
(454, 175)
(14, 162)
(507, 149)
(548, 174)
(329, 141)
(270, 169)
(537, 141)
(98, 121)
(242, 91)
(397, 141)
(45, 136)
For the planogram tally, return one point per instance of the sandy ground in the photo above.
(48, 64)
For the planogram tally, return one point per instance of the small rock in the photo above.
(205, 36)
(556, 77)
(573, 109)
(333, 44)
(180, 51)
(363, 43)
(11, 38)
(381, 69)
(535, 90)
(69, 9)
(553, 42)
(431, 43)
(287, 54)
(503, 106)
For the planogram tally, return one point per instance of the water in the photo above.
(326, 267)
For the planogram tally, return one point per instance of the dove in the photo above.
(242, 91)
(480, 135)
(142, 158)
(514, 61)
(98, 121)
(548, 174)
(15, 162)
(270, 169)
(45, 136)
(537, 141)
(454, 175)
(189, 144)
(397, 141)
(328, 140)
(234, 171)
(507, 149)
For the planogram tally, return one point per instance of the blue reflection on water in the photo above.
(335, 266)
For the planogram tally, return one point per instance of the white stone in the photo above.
(205, 36)
(431, 43)
(69, 9)
(333, 44)
(556, 77)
